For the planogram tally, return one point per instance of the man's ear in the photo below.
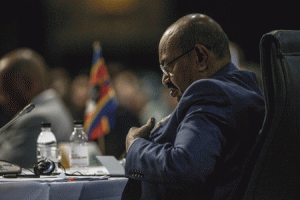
(202, 57)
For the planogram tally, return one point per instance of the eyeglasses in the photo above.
(166, 69)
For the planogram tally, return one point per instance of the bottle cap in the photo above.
(78, 122)
(46, 124)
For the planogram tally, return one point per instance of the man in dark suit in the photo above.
(198, 152)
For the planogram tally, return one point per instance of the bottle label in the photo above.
(79, 155)
(46, 152)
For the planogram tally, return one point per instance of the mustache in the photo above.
(171, 85)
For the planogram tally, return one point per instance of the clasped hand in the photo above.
(140, 132)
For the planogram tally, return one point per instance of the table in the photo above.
(56, 188)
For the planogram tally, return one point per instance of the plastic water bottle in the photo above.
(46, 143)
(79, 153)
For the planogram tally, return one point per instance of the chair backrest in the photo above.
(272, 170)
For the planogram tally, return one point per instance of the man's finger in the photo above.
(145, 129)
(151, 123)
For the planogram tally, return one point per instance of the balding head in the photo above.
(22, 77)
(194, 47)
(194, 29)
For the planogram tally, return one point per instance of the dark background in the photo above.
(40, 25)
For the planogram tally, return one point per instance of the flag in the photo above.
(99, 117)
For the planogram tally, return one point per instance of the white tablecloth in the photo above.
(45, 188)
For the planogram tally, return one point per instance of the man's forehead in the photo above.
(167, 44)
(164, 53)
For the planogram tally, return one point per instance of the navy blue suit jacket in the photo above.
(198, 152)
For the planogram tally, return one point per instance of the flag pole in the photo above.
(97, 45)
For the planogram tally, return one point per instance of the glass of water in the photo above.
(56, 158)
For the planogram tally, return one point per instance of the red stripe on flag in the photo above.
(101, 129)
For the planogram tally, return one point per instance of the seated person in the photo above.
(198, 152)
(23, 80)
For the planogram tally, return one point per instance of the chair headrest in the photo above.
(287, 41)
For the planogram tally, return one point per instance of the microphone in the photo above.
(25, 110)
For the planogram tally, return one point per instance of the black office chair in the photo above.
(272, 170)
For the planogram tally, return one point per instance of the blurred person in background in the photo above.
(129, 92)
(23, 80)
(160, 104)
(114, 68)
(124, 83)
(60, 80)
(143, 95)
(79, 93)
(198, 152)
(126, 115)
